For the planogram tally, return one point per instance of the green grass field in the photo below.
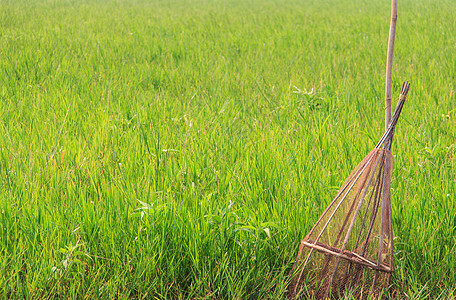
(162, 149)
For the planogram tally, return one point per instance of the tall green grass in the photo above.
(181, 149)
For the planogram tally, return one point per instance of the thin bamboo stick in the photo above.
(389, 63)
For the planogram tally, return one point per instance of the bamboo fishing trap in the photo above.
(349, 251)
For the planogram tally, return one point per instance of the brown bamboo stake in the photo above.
(389, 63)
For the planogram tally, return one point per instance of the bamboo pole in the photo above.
(389, 63)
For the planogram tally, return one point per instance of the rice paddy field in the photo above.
(182, 149)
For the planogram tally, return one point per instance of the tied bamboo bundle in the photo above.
(349, 251)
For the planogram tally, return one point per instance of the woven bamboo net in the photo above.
(349, 251)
